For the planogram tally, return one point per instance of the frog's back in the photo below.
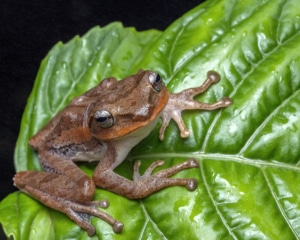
(40, 137)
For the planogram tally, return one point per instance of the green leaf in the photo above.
(248, 153)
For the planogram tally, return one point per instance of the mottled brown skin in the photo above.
(104, 124)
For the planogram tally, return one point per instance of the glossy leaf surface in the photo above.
(248, 153)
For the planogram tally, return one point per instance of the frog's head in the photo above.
(128, 105)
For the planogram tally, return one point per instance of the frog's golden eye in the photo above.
(155, 81)
(104, 118)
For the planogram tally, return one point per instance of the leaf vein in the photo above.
(150, 220)
(218, 211)
(199, 50)
(240, 84)
(279, 206)
(266, 121)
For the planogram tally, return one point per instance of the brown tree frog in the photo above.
(104, 124)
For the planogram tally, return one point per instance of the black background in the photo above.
(29, 29)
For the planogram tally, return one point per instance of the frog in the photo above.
(103, 125)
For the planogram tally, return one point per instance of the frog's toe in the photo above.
(213, 76)
(148, 172)
(102, 203)
(118, 227)
(91, 230)
(193, 163)
(192, 184)
(227, 101)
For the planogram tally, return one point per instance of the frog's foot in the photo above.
(184, 101)
(78, 212)
(160, 179)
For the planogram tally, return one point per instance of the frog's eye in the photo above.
(104, 118)
(155, 81)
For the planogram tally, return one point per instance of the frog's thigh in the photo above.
(55, 185)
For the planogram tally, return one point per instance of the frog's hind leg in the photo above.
(70, 194)
(78, 212)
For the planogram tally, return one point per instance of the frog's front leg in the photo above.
(184, 101)
(141, 186)
(66, 188)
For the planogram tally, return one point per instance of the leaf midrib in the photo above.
(201, 156)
